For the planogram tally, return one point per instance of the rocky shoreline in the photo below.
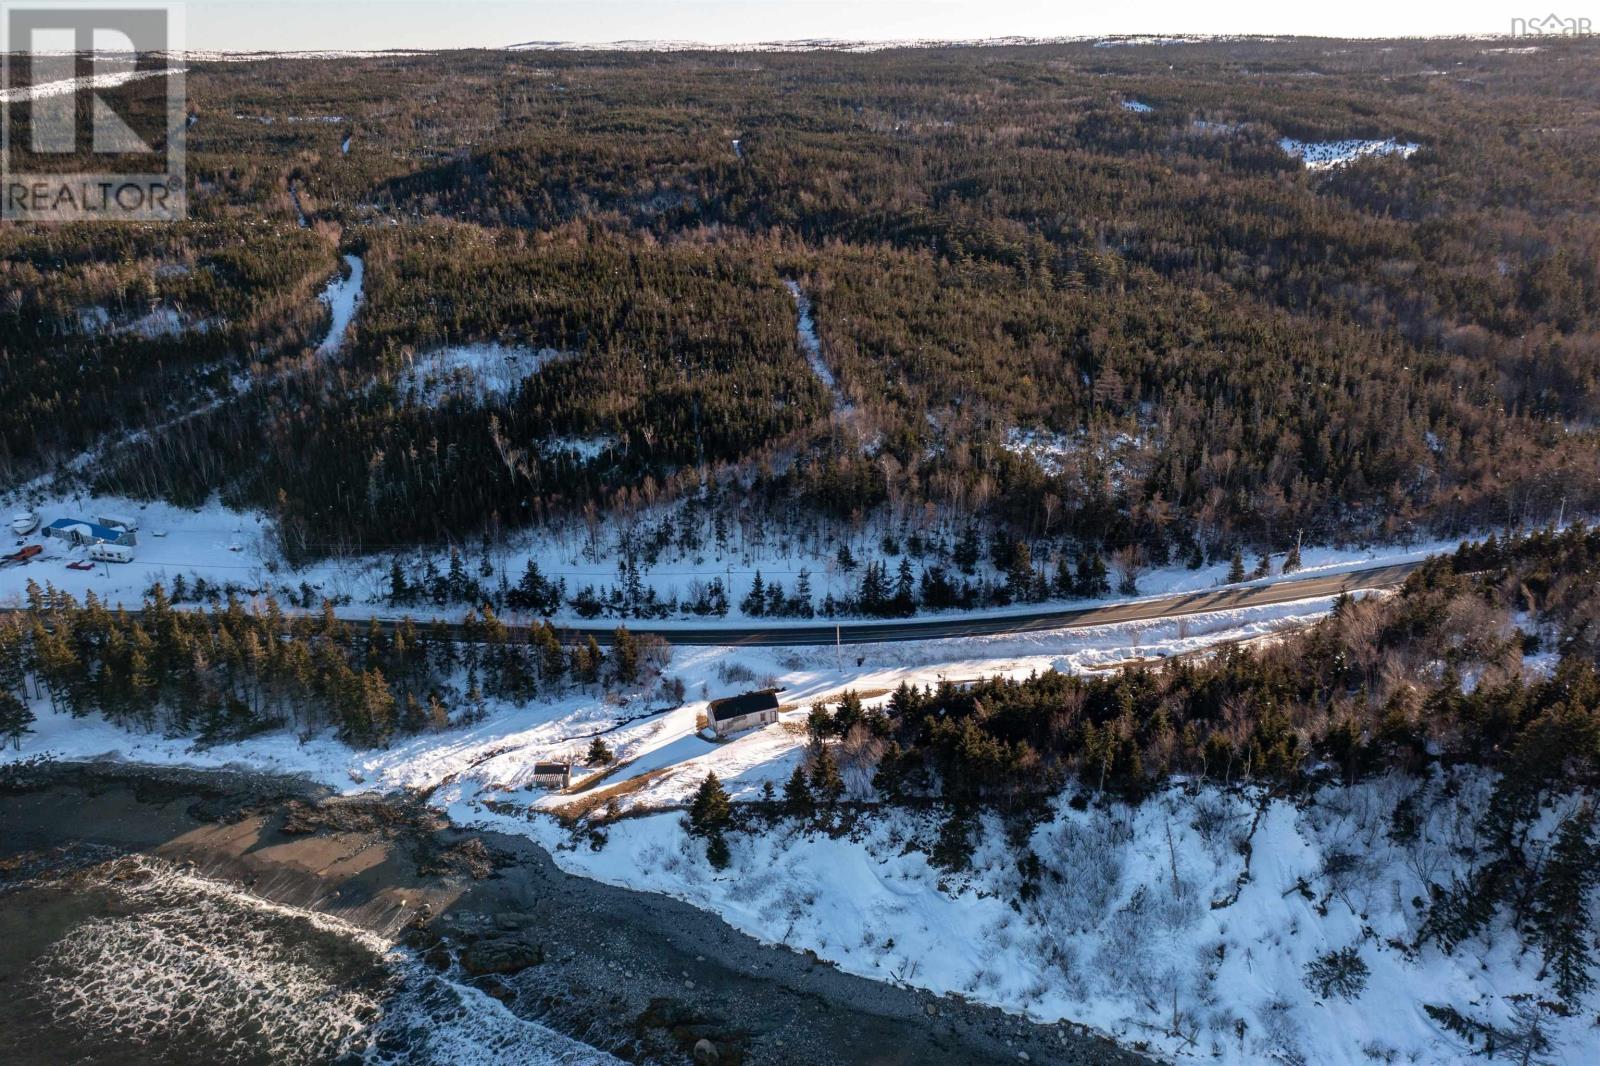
(642, 977)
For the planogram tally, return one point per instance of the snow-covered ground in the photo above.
(1152, 924)
(806, 327)
(1137, 41)
(1136, 107)
(156, 323)
(1180, 924)
(497, 754)
(484, 371)
(216, 56)
(343, 296)
(1051, 451)
(66, 86)
(1324, 155)
(228, 547)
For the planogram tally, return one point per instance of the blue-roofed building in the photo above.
(80, 531)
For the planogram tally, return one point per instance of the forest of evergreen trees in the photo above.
(1233, 350)
(1378, 686)
(234, 670)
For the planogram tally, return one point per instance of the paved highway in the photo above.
(1222, 599)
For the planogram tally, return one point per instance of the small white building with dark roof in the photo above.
(738, 713)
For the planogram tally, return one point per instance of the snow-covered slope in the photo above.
(1185, 924)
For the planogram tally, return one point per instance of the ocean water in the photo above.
(136, 961)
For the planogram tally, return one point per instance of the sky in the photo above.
(364, 24)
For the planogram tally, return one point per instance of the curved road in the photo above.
(1223, 599)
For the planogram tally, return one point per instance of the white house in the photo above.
(738, 713)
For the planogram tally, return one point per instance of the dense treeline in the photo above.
(1222, 347)
(105, 326)
(1377, 686)
(655, 352)
(234, 669)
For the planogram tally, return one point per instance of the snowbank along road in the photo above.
(1174, 606)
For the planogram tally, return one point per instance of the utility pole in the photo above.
(838, 649)
(1561, 515)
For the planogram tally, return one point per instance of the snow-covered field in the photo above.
(65, 86)
(482, 371)
(225, 546)
(1324, 155)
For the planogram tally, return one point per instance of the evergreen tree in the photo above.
(717, 853)
(819, 724)
(873, 596)
(1236, 567)
(965, 555)
(889, 779)
(1291, 561)
(754, 605)
(802, 594)
(848, 714)
(1062, 584)
(825, 780)
(586, 660)
(624, 656)
(16, 719)
(399, 590)
(552, 658)
(1019, 579)
(711, 810)
(1561, 907)
(13, 662)
(599, 753)
(1092, 579)
(905, 601)
(797, 795)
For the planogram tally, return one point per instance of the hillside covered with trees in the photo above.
(1107, 252)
